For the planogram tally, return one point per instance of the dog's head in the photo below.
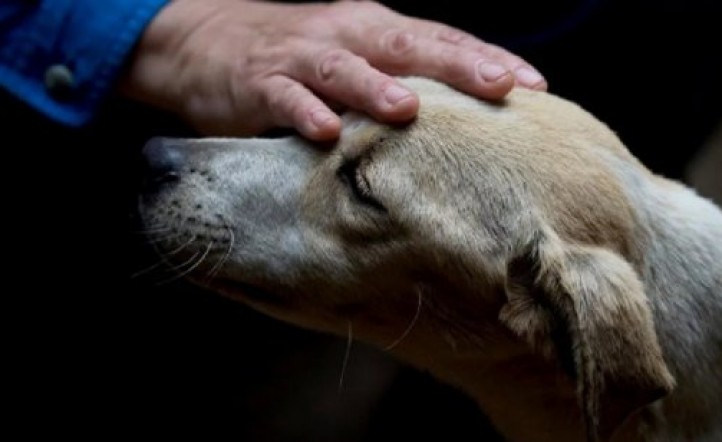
(478, 223)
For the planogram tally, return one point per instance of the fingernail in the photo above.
(394, 94)
(492, 71)
(528, 77)
(321, 119)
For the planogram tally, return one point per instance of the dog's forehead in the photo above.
(510, 128)
(360, 131)
(442, 108)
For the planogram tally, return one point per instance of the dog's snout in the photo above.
(164, 158)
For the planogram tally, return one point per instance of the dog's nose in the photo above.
(164, 159)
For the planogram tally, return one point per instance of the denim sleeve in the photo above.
(62, 56)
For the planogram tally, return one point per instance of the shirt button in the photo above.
(59, 81)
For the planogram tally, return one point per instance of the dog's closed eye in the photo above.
(351, 173)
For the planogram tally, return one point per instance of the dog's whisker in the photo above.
(217, 267)
(164, 260)
(177, 267)
(178, 273)
(346, 356)
(193, 266)
(411, 325)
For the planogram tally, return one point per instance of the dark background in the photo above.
(148, 359)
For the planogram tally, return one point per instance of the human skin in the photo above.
(241, 67)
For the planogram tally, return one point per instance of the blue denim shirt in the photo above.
(62, 56)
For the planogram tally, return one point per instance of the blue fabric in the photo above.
(91, 37)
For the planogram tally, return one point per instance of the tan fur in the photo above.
(570, 291)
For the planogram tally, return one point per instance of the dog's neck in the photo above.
(682, 275)
(525, 396)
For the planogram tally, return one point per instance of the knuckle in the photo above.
(398, 42)
(330, 62)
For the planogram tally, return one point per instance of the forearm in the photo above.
(62, 57)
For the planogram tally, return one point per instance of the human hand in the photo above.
(234, 67)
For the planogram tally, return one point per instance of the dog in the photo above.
(514, 249)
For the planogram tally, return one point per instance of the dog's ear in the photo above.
(587, 308)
